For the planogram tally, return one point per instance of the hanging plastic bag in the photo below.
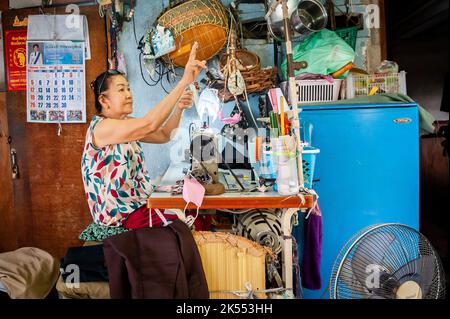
(324, 51)
(208, 103)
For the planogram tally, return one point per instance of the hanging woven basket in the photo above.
(204, 21)
(246, 60)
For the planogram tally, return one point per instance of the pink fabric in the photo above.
(310, 76)
(236, 118)
(193, 191)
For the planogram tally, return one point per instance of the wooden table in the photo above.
(290, 205)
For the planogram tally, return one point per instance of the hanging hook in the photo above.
(59, 129)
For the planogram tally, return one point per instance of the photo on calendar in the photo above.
(74, 116)
(35, 53)
(56, 80)
(56, 116)
(38, 115)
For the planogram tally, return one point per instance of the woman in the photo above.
(115, 177)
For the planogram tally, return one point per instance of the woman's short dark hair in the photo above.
(101, 84)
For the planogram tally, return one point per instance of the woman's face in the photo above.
(118, 100)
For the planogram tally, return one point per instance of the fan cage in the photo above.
(406, 245)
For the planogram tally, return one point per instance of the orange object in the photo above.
(287, 124)
(282, 114)
(202, 21)
(258, 148)
(344, 69)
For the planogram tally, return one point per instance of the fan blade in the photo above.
(371, 251)
(420, 270)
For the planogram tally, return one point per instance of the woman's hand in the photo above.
(193, 67)
(185, 101)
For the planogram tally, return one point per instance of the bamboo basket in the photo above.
(247, 60)
(249, 64)
(259, 80)
(204, 21)
(231, 261)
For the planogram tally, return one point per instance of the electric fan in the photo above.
(388, 261)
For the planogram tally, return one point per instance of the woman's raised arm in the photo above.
(116, 131)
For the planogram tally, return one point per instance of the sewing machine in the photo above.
(204, 155)
(206, 159)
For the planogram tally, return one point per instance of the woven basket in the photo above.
(249, 63)
(247, 60)
(204, 21)
(259, 80)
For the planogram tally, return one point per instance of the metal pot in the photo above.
(275, 22)
(306, 16)
(310, 16)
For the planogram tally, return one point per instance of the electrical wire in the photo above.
(160, 70)
(134, 30)
(155, 82)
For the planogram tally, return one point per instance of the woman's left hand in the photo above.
(185, 101)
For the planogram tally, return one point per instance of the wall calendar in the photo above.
(56, 82)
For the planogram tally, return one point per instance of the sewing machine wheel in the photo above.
(261, 226)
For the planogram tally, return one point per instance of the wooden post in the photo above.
(293, 96)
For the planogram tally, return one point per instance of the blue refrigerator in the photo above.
(367, 171)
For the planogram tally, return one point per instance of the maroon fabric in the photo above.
(140, 219)
(157, 262)
(202, 223)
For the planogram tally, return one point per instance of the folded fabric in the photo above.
(236, 118)
(158, 262)
(84, 290)
(140, 218)
(312, 250)
(311, 76)
(90, 262)
(97, 232)
(28, 273)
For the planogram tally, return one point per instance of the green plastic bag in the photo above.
(324, 51)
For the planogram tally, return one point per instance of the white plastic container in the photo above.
(284, 151)
(313, 91)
